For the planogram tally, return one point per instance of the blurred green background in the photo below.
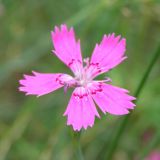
(33, 128)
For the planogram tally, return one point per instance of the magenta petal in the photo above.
(113, 100)
(109, 53)
(67, 49)
(81, 110)
(39, 83)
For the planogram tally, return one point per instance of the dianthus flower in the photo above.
(81, 109)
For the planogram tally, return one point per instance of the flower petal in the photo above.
(41, 83)
(108, 54)
(66, 47)
(81, 110)
(113, 100)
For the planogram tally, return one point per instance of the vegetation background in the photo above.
(33, 128)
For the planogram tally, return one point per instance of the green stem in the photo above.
(123, 123)
(77, 146)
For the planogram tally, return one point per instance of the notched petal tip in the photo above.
(123, 42)
(133, 99)
(54, 52)
(109, 53)
(81, 128)
(39, 83)
(105, 36)
(21, 81)
(66, 47)
(81, 110)
(65, 113)
(56, 30)
(35, 73)
(52, 33)
(114, 100)
(20, 88)
(71, 30)
(27, 94)
(25, 76)
(64, 27)
(123, 113)
(113, 35)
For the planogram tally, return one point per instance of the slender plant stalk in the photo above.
(123, 123)
(77, 146)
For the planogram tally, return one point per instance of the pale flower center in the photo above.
(83, 77)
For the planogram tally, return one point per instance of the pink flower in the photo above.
(81, 109)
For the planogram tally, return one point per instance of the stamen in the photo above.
(86, 61)
(66, 86)
(107, 79)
